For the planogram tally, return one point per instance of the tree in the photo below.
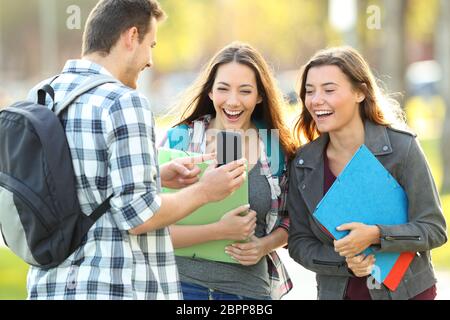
(393, 62)
(48, 37)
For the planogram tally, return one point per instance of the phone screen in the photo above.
(229, 147)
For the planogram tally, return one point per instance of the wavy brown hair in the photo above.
(376, 107)
(196, 102)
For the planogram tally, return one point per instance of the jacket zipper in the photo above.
(391, 238)
(28, 203)
(328, 263)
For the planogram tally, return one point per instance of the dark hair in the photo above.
(196, 102)
(110, 18)
(376, 107)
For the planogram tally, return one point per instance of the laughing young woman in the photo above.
(236, 91)
(343, 109)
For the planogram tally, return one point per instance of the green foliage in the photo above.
(421, 19)
(286, 31)
(196, 29)
(441, 256)
(13, 273)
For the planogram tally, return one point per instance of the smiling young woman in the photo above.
(343, 108)
(236, 91)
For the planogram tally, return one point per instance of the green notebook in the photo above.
(209, 213)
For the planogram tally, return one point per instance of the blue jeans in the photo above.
(196, 292)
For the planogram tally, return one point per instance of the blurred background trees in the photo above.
(35, 41)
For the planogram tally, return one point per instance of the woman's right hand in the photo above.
(217, 183)
(236, 226)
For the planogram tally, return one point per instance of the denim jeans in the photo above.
(196, 292)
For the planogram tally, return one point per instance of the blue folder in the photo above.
(365, 192)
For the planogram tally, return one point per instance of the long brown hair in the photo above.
(196, 102)
(376, 107)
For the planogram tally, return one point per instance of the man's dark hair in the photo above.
(110, 18)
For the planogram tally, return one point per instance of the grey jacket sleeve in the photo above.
(426, 228)
(304, 247)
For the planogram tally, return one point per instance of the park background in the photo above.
(407, 43)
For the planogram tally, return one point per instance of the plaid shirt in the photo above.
(277, 217)
(110, 131)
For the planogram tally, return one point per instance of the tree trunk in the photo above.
(393, 64)
(443, 54)
(1, 41)
(48, 37)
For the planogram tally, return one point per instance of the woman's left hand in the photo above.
(361, 237)
(361, 265)
(248, 253)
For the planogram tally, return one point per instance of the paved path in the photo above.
(305, 282)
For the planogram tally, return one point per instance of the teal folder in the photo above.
(209, 213)
(365, 192)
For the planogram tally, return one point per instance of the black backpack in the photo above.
(40, 216)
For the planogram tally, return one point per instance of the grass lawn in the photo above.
(13, 274)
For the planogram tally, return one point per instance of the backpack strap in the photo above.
(46, 89)
(90, 83)
(42, 92)
(101, 209)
